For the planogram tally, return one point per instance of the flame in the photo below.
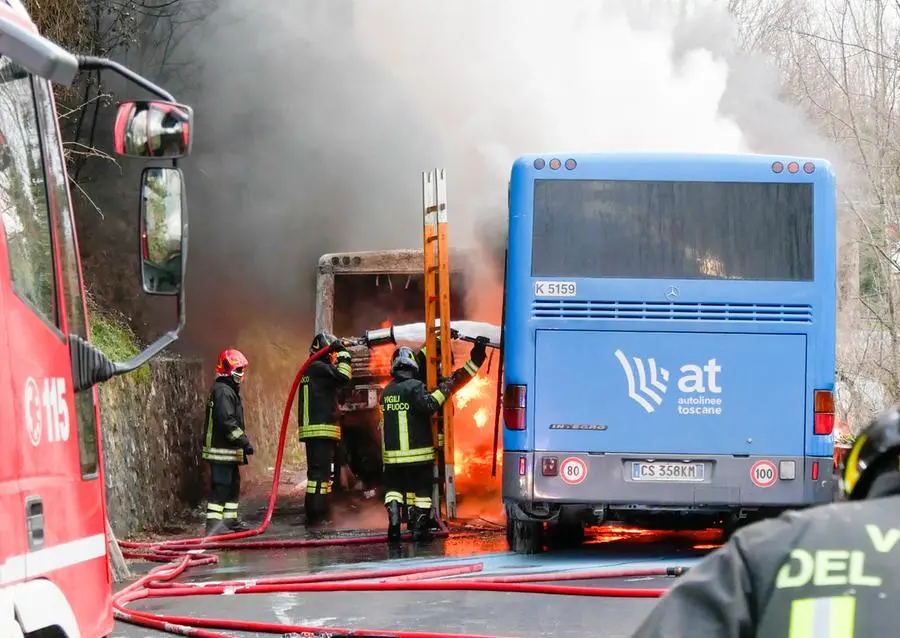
(617, 533)
(380, 359)
(475, 389)
(473, 435)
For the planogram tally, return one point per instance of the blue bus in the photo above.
(669, 341)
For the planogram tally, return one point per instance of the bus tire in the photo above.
(525, 537)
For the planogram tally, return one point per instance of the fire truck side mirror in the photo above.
(163, 230)
(147, 128)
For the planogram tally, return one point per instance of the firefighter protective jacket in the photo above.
(224, 439)
(406, 409)
(825, 571)
(318, 398)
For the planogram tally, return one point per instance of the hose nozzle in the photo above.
(487, 342)
(379, 337)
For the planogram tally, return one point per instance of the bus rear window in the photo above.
(681, 230)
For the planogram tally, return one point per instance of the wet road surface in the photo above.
(476, 612)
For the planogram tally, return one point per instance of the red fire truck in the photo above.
(54, 575)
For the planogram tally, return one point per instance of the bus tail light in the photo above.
(514, 407)
(549, 465)
(815, 471)
(823, 419)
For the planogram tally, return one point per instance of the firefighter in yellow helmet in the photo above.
(407, 446)
(824, 571)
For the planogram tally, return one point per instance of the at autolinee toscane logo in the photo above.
(647, 383)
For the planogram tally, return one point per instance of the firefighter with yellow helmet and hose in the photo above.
(318, 418)
(407, 446)
(829, 570)
(225, 444)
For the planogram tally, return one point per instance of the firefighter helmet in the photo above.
(232, 363)
(875, 451)
(403, 357)
(322, 340)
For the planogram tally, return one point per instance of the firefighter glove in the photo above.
(479, 352)
(248, 449)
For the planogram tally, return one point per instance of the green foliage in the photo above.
(112, 335)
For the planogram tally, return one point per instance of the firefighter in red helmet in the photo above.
(225, 444)
(320, 431)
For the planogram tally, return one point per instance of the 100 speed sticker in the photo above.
(763, 474)
(573, 470)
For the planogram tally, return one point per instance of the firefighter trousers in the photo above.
(320, 455)
(224, 492)
(409, 484)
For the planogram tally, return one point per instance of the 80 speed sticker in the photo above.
(763, 474)
(573, 470)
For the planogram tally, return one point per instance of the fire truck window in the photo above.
(71, 280)
(23, 195)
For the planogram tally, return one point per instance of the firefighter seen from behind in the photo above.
(829, 570)
(407, 443)
(320, 430)
(225, 444)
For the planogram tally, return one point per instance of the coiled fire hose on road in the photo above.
(180, 554)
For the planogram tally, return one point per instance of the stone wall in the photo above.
(152, 426)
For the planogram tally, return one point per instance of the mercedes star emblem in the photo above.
(672, 292)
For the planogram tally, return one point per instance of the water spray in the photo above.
(415, 332)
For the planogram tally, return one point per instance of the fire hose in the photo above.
(180, 554)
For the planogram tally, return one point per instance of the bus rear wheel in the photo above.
(524, 537)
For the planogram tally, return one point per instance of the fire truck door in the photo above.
(12, 437)
(62, 495)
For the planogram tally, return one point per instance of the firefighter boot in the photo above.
(393, 509)
(232, 522)
(316, 507)
(418, 524)
(237, 525)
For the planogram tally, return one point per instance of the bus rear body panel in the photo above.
(670, 393)
(669, 320)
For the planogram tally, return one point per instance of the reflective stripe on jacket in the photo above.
(224, 438)
(317, 403)
(406, 409)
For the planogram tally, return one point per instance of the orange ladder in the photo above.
(437, 315)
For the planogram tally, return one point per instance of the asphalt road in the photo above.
(476, 612)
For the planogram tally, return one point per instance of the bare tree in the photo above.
(840, 61)
(151, 29)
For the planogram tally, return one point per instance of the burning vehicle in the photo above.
(360, 291)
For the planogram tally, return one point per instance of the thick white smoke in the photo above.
(316, 117)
